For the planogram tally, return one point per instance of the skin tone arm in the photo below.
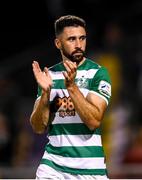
(40, 115)
(90, 109)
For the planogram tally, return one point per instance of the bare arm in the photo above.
(40, 115)
(90, 109)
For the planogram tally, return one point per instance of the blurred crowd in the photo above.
(115, 49)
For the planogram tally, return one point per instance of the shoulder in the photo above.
(91, 64)
(100, 71)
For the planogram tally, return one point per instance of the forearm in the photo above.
(88, 112)
(40, 115)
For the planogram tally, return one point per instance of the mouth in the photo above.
(78, 52)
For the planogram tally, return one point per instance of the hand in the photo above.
(70, 73)
(43, 78)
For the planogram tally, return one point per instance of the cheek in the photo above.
(68, 48)
(84, 46)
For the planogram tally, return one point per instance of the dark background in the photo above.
(27, 34)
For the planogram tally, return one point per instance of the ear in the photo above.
(57, 43)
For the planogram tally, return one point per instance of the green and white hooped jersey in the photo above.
(73, 147)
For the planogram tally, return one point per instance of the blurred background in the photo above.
(114, 40)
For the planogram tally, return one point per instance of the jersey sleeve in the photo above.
(39, 91)
(101, 84)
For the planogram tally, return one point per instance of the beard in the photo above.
(76, 56)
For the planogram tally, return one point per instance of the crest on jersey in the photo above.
(82, 82)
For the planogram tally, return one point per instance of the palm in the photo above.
(70, 72)
(43, 78)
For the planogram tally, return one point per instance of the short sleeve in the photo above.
(39, 91)
(101, 84)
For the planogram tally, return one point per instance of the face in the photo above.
(72, 43)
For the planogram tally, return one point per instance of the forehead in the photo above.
(73, 31)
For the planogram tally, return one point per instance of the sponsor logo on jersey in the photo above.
(65, 106)
(105, 88)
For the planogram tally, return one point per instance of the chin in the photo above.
(78, 58)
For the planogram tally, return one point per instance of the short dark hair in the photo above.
(68, 20)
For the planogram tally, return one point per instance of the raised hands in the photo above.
(43, 78)
(70, 72)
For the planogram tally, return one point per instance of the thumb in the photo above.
(46, 71)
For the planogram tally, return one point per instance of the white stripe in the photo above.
(86, 73)
(78, 163)
(68, 119)
(60, 93)
(100, 96)
(64, 92)
(76, 140)
(56, 75)
(53, 94)
(84, 91)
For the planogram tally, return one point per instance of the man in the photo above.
(72, 98)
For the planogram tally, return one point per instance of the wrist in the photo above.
(46, 90)
(72, 87)
(45, 95)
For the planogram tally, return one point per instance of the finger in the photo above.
(36, 73)
(46, 71)
(66, 75)
(68, 69)
(71, 65)
(36, 69)
(36, 66)
(75, 64)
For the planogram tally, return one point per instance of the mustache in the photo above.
(77, 51)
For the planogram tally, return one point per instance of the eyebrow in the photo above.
(70, 37)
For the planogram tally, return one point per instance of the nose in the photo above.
(77, 43)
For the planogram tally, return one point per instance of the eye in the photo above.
(71, 39)
(82, 38)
